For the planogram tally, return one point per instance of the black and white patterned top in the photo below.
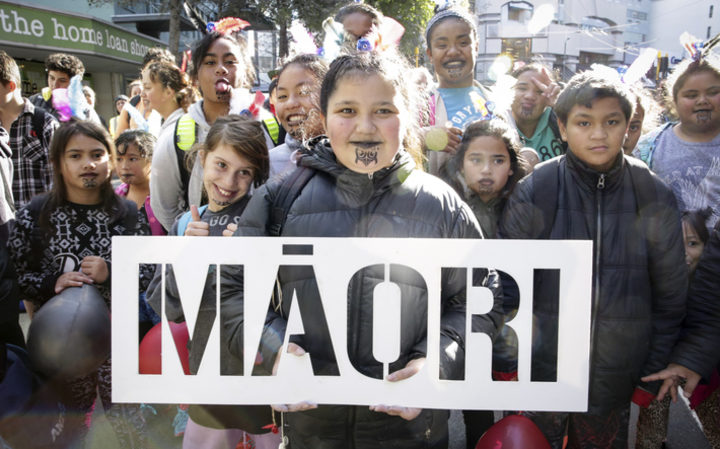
(77, 231)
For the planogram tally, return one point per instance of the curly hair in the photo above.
(67, 64)
(143, 140)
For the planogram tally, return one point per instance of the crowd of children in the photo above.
(360, 135)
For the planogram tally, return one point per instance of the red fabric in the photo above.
(643, 398)
(703, 391)
(499, 375)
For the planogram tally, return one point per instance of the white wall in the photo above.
(670, 18)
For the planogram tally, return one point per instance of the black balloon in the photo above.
(69, 336)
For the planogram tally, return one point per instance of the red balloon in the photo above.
(513, 432)
(150, 348)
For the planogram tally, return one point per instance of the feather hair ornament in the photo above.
(640, 66)
(303, 40)
(697, 48)
(61, 104)
(711, 43)
(136, 115)
(76, 97)
(71, 102)
(334, 38)
(227, 25)
(692, 44)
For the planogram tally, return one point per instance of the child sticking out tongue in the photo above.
(222, 87)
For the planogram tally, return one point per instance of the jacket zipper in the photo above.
(356, 342)
(598, 248)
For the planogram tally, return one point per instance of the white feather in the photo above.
(640, 66)
(303, 41)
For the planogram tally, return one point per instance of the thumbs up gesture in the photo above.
(196, 225)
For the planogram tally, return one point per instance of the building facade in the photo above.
(581, 33)
(111, 55)
(670, 18)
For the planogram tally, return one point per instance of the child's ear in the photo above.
(562, 129)
(202, 154)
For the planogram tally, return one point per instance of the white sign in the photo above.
(334, 261)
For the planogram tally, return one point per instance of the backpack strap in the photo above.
(545, 178)
(38, 125)
(130, 217)
(272, 128)
(39, 237)
(186, 218)
(186, 131)
(286, 195)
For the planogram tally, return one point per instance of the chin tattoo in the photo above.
(703, 117)
(89, 183)
(366, 156)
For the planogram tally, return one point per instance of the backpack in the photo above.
(38, 124)
(286, 195)
(546, 176)
(186, 131)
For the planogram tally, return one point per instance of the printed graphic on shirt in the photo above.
(698, 187)
(463, 105)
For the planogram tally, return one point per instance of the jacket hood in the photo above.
(357, 188)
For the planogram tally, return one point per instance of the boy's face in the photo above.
(452, 50)
(634, 130)
(595, 135)
(58, 80)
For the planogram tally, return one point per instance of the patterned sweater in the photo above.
(77, 231)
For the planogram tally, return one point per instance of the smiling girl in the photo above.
(297, 107)
(686, 154)
(364, 184)
(234, 158)
(452, 45)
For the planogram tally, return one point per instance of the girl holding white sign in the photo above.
(234, 157)
(362, 181)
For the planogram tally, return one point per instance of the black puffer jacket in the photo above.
(699, 347)
(639, 274)
(396, 202)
